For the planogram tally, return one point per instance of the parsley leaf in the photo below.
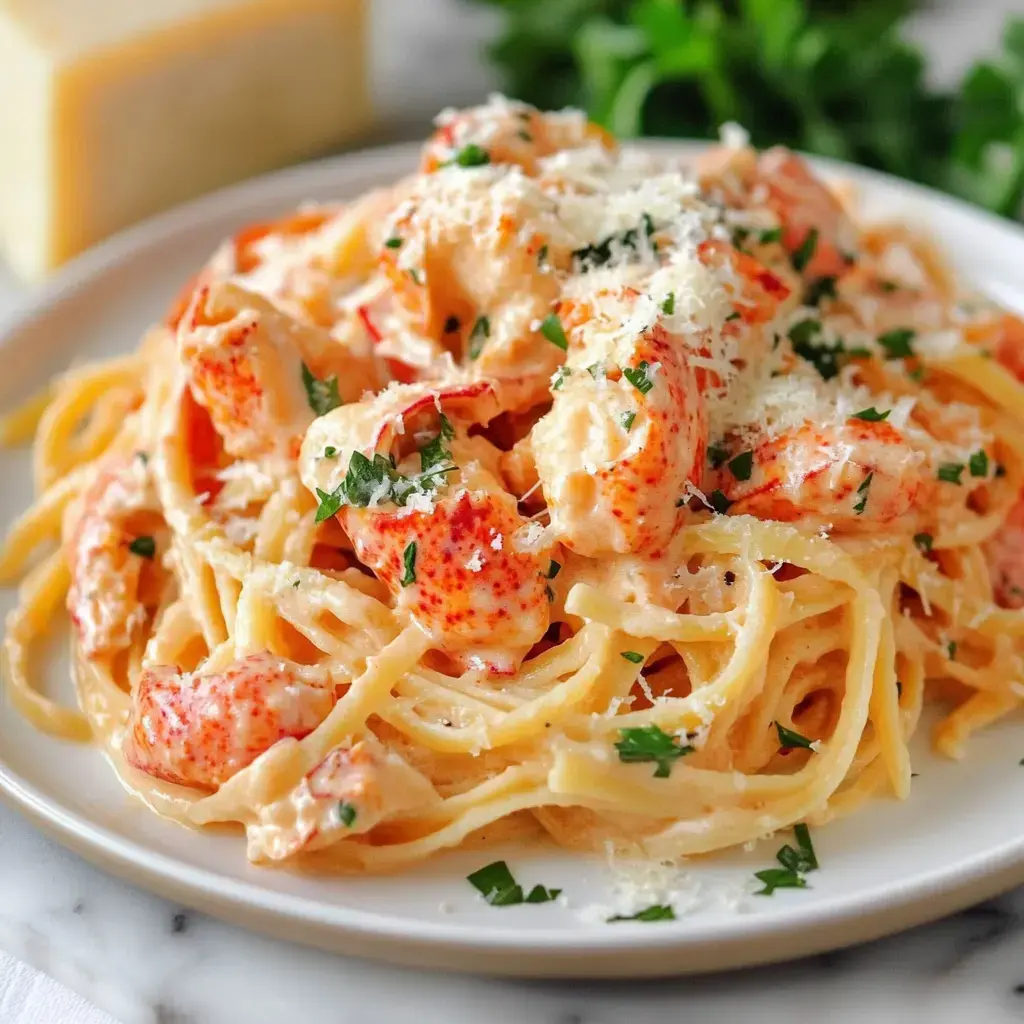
(951, 472)
(719, 502)
(742, 465)
(393, 243)
(791, 740)
(978, 463)
(638, 376)
(805, 252)
(718, 454)
(634, 656)
(650, 743)
(898, 344)
(472, 155)
(558, 380)
(500, 889)
(598, 255)
(923, 541)
(822, 355)
(145, 547)
(871, 415)
(863, 492)
(820, 288)
(778, 878)
(409, 562)
(551, 328)
(478, 336)
(322, 395)
(626, 419)
(346, 813)
(796, 862)
(668, 307)
(771, 235)
(656, 912)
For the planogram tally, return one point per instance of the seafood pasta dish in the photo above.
(554, 490)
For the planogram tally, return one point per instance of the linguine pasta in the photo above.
(553, 488)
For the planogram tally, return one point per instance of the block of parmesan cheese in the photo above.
(111, 110)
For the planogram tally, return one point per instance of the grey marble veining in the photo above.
(147, 961)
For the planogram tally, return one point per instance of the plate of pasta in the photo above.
(528, 553)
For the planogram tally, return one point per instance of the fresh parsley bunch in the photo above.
(833, 77)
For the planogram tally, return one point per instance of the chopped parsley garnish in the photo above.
(718, 454)
(805, 253)
(409, 561)
(888, 286)
(719, 502)
(330, 452)
(771, 235)
(898, 343)
(871, 415)
(668, 307)
(145, 547)
(820, 288)
(778, 878)
(322, 395)
(415, 275)
(657, 912)
(734, 315)
(650, 743)
(376, 478)
(634, 656)
(807, 343)
(924, 542)
(554, 568)
(638, 376)
(796, 862)
(478, 336)
(499, 888)
(346, 813)
(742, 465)
(393, 243)
(597, 371)
(542, 256)
(951, 649)
(524, 135)
(472, 155)
(451, 325)
(978, 463)
(551, 328)
(951, 472)
(434, 454)
(865, 486)
(598, 255)
(559, 377)
(626, 419)
(790, 740)
(542, 894)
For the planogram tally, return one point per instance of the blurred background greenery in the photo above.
(833, 77)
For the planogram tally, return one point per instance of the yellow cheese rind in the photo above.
(120, 131)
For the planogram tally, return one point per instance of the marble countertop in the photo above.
(146, 961)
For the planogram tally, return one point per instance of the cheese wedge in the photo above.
(111, 110)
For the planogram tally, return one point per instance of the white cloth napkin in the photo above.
(29, 997)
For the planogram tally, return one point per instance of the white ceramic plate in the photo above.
(958, 839)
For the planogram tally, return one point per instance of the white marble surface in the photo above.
(146, 961)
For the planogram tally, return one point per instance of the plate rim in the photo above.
(871, 912)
